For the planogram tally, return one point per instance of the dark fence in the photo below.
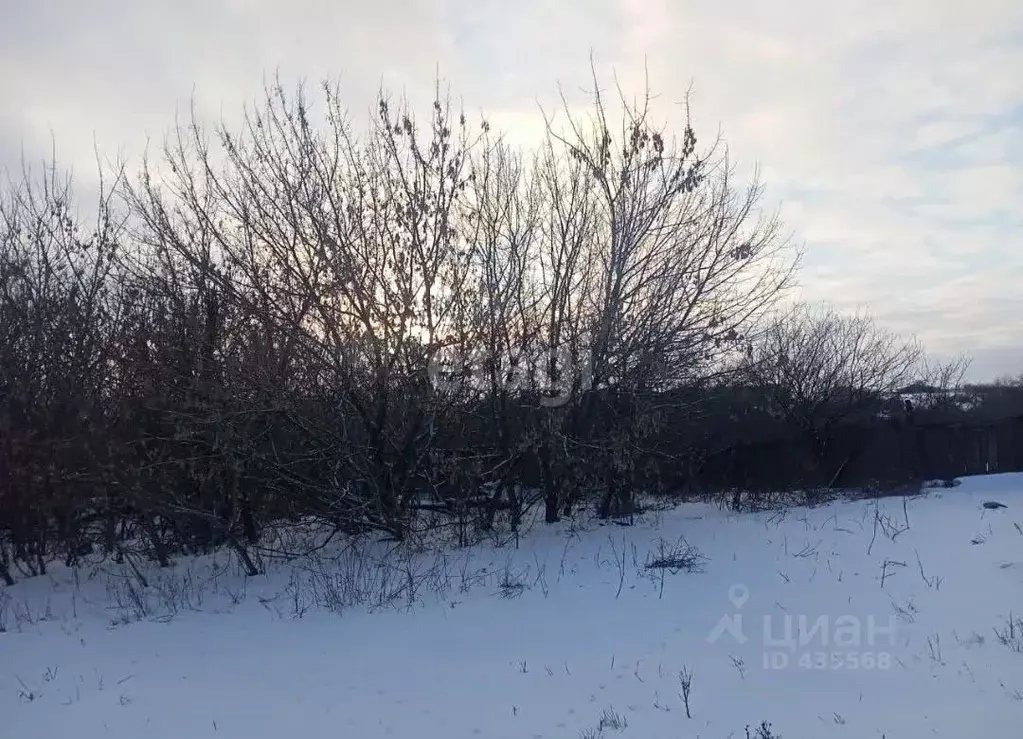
(862, 456)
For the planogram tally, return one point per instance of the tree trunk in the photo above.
(551, 513)
(5, 573)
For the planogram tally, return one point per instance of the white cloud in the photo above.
(890, 131)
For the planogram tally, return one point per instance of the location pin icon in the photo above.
(738, 594)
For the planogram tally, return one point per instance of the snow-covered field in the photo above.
(860, 619)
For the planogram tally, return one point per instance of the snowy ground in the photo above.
(831, 622)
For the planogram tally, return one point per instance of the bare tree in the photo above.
(815, 368)
(657, 269)
(348, 250)
(946, 382)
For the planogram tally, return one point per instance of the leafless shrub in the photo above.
(512, 584)
(934, 649)
(762, 731)
(610, 720)
(676, 557)
(1010, 635)
(685, 682)
(132, 601)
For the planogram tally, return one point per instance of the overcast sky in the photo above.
(891, 131)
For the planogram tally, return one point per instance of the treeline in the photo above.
(379, 327)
